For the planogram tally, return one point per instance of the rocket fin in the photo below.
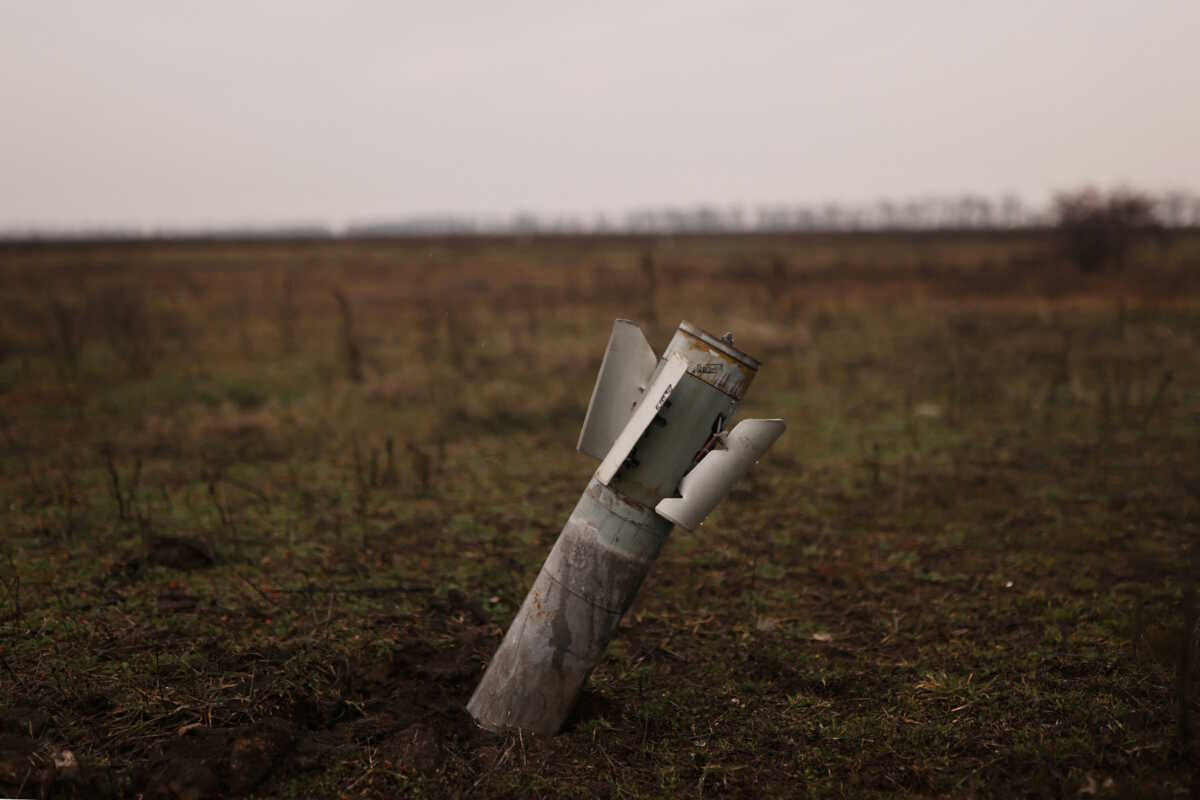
(711, 479)
(624, 377)
(659, 392)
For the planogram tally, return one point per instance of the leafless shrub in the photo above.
(1156, 399)
(777, 282)
(425, 463)
(1058, 361)
(874, 466)
(351, 350)
(1132, 392)
(68, 328)
(124, 317)
(125, 497)
(377, 476)
(1096, 231)
(457, 334)
(9, 347)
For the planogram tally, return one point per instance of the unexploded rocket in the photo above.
(658, 426)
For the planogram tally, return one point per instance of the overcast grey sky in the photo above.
(152, 113)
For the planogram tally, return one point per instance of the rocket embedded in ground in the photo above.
(659, 428)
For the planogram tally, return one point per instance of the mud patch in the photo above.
(416, 748)
(33, 768)
(180, 553)
(220, 762)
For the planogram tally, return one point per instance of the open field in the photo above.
(268, 507)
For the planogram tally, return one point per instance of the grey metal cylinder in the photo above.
(588, 581)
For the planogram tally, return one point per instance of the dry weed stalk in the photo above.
(213, 477)
(68, 334)
(650, 286)
(362, 486)
(125, 499)
(1187, 649)
(1186, 657)
(23, 450)
(242, 310)
(288, 314)
(12, 584)
(424, 465)
(68, 499)
(390, 478)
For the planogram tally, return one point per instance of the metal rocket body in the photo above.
(658, 426)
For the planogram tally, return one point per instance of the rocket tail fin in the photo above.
(711, 479)
(666, 380)
(624, 377)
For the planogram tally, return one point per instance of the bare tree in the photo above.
(1096, 231)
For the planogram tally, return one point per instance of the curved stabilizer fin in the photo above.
(656, 396)
(624, 377)
(711, 479)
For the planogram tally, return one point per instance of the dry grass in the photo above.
(268, 507)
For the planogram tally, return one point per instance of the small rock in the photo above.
(254, 755)
(66, 764)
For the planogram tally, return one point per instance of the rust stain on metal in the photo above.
(596, 490)
(732, 370)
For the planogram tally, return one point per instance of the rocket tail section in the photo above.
(711, 479)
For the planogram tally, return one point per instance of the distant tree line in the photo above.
(1177, 209)
(965, 212)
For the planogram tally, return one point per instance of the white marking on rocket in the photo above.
(656, 396)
